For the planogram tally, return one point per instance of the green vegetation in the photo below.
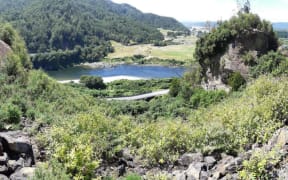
(182, 51)
(53, 170)
(237, 30)
(140, 59)
(123, 88)
(59, 59)
(256, 167)
(93, 82)
(70, 32)
(82, 133)
(236, 81)
(272, 63)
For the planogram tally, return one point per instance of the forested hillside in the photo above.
(67, 32)
(53, 24)
(214, 134)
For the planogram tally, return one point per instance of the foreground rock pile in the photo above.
(16, 156)
(216, 165)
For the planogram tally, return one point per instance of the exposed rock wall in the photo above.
(4, 50)
(257, 43)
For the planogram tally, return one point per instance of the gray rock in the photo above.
(17, 142)
(204, 175)
(189, 158)
(210, 161)
(3, 169)
(23, 174)
(194, 170)
(4, 159)
(3, 177)
(228, 165)
(178, 175)
(230, 177)
(125, 153)
(12, 165)
(283, 173)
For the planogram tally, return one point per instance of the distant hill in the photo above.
(280, 26)
(199, 24)
(48, 25)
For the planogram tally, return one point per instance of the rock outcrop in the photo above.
(257, 43)
(16, 155)
(4, 49)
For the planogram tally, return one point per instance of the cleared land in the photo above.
(285, 41)
(183, 51)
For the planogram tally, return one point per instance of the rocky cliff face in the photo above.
(233, 59)
(4, 49)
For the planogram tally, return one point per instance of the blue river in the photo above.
(147, 72)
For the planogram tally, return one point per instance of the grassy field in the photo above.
(284, 41)
(181, 52)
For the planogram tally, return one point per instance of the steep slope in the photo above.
(54, 24)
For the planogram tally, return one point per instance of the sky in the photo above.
(210, 10)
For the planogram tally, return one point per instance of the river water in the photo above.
(147, 72)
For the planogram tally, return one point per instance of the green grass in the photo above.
(181, 52)
(284, 41)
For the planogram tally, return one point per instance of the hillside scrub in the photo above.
(272, 63)
(231, 126)
(121, 88)
(82, 133)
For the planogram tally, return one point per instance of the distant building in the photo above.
(199, 31)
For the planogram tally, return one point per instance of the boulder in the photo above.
(3, 169)
(178, 175)
(3, 177)
(4, 159)
(189, 158)
(23, 174)
(283, 172)
(228, 165)
(16, 144)
(194, 171)
(210, 161)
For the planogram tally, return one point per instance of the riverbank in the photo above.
(107, 79)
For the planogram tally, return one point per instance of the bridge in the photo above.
(141, 97)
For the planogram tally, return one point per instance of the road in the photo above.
(142, 96)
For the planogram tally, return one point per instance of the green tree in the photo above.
(93, 82)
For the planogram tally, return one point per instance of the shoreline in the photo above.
(107, 79)
(105, 64)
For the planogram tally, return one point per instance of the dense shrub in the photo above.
(249, 59)
(10, 114)
(202, 98)
(230, 126)
(236, 80)
(93, 82)
(259, 165)
(175, 87)
(272, 62)
(51, 171)
(133, 177)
